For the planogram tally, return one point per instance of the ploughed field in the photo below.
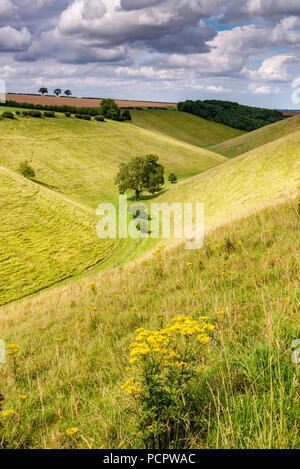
(79, 102)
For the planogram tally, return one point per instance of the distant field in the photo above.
(259, 137)
(44, 238)
(184, 127)
(80, 159)
(80, 102)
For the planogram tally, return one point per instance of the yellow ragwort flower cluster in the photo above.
(13, 349)
(71, 431)
(162, 341)
(132, 386)
(7, 413)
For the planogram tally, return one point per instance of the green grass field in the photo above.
(44, 238)
(258, 138)
(80, 159)
(74, 161)
(74, 344)
(183, 126)
(69, 346)
(243, 183)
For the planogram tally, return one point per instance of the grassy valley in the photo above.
(80, 159)
(69, 349)
(184, 127)
(74, 344)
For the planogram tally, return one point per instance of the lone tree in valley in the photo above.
(26, 170)
(58, 92)
(68, 93)
(43, 91)
(141, 174)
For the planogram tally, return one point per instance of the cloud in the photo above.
(273, 68)
(154, 48)
(12, 40)
(7, 10)
(161, 26)
(270, 10)
(263, 89)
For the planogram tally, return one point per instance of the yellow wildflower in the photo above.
(8, 413)
(131, 386)
(13, 349)
(71, 431)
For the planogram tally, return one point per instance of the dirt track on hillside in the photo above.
(79, 102)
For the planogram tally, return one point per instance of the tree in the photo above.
(173, 178)
(26, 170)
(126, 115)
(110, 109)
(68, 93)
(58, 91)
(43, 91)
(141, 174)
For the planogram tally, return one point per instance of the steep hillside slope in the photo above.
(184, 126)
(72, 345)
(80, 159)
(245, 182)
(44, 238)
(259, 137)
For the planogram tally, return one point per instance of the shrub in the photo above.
(78, 116)
(8, 115)
(99, 118)
(86, 117)
(49, 114)
(18, 113)
(26, 170)
(173, 178)
(164, 366)
(33, 113)
(68, 114)
(126, 115)
(110, 110)
(113, 114)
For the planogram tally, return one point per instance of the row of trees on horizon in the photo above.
(57, 92)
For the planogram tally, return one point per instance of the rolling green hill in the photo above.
(257, 138)
(184, 127)
(243, 183)
(49, 231)
(69, 347)
(44, 237)
(80, 159)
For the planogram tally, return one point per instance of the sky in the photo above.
(159, 50)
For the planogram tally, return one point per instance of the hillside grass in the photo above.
(258, 138)
(80, 159)
(74, 344)
(243, 183)
(44, 238)
(183, 126)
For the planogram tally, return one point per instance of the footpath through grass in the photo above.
(70, 346)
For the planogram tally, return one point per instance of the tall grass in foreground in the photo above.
(69, 348)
